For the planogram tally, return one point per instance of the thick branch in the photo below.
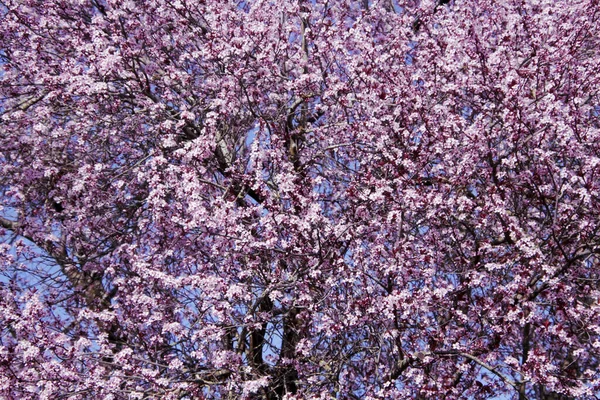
(87, 284)
(481, 363)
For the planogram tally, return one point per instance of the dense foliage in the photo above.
(327, 199)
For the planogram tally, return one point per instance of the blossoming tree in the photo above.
(330, 199)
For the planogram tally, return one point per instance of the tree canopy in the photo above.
(328, 199)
